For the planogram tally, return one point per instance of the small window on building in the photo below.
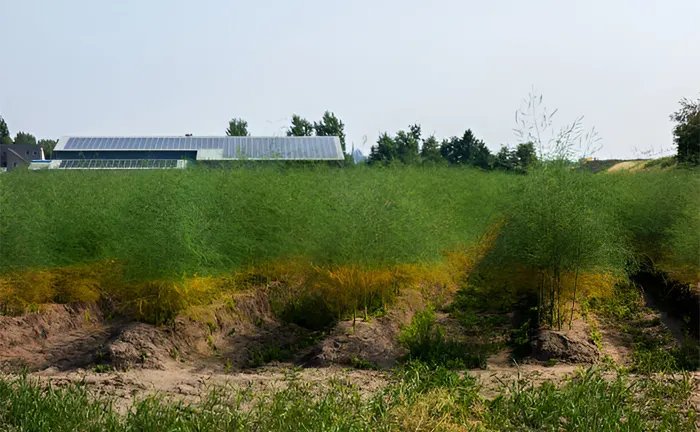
(34, 153)
(14, 164)
(27, 152)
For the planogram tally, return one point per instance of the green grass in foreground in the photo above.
(419, 399)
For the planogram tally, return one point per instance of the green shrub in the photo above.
(425, 342)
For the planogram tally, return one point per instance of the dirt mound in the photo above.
(58, 335)
(571, 347)
(224, 333)
(140, 345)
(374, 341)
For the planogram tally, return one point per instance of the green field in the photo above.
(340, 242)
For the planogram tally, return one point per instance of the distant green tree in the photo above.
(300, 127)
(467, 150)
(526, 155)
(481, 155)
(686, 133)
(5, 137)
(237, 127)
(505, 159)
(330, 125)
(407, 144)
(430, 151)
(48, 145)
(385, 151)
(25, 138)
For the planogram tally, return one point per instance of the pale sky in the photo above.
(156, 67)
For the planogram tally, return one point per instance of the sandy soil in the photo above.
(183, 361)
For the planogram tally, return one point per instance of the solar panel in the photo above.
(310, 148)
(118, 164)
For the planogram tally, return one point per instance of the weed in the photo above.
(596, 337)
(268, 353)
(420, 397)
(425, 342)
(358, 363)
(210, 342)
(212, 327)
(101, 369)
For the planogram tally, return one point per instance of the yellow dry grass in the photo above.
(631, 166)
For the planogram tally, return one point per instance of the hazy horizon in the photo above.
(171, 68)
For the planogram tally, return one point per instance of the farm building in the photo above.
(16, 155)
(174, 152)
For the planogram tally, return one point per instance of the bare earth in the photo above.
(184, 361)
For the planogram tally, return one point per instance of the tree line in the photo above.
(410, 147)
(25, 138)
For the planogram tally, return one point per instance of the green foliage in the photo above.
(24, 138)
(300, 127)
(625, 304)
(505, 159)
(330, 125)
(5, 137)
(420, 398)
(654, 347)
(526, 155)
(47, 145)
(659, 211)
(358, 363)
(596, 337)
(269, 353)
(587, 402)
(560, 223)
(101, 369)
(430, 151)
(166, 224)
(237, 127)
(407, 144)
(521, 336)
(385, 152)
(663, 162)
(686, 133)
(425, 342)
(467, 150)
(520, 159)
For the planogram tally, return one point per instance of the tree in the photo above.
(505, 159)
(526, 155)
(25, 138)
(430, 151)
(47, 145)
(686, 133)
(5, 137)
(407, 144)
(467, 150)
(237, 127)
(330, 125)
(300, 127)
(385, 151)
(481, 155)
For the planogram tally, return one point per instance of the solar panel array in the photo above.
(233, 147)
(118, 164)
